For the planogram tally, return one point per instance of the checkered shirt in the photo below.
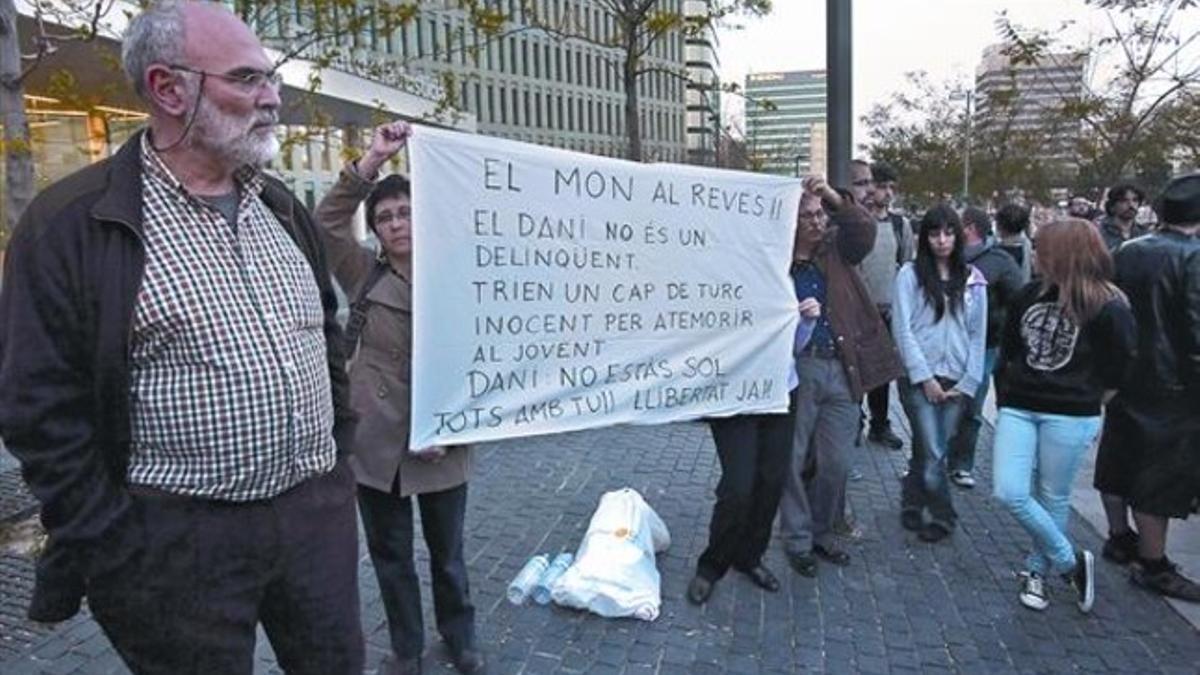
(230, 392)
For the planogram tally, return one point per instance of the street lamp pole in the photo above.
(838, 89)
(966, 191)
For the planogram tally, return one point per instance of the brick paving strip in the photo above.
(901, 606)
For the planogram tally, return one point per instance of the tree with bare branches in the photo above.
(1154, 57)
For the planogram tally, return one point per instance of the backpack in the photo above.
(898, 230)
(358, 310)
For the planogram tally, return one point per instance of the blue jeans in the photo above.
(962, 445)
(1036, 458)
(927, 484)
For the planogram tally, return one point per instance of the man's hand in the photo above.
(933, 391)
(387, 140)
(433, 454)
(810, 308)
(818, 186)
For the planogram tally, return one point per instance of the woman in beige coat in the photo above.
(388, 473)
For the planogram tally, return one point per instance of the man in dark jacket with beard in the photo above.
(171, 380)
(1149, 457)
(1004, 279)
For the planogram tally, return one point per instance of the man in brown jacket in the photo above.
(850, 352)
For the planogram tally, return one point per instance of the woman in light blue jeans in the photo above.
(1067, 340)
(939, 321)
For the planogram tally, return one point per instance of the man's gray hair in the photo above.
(154, 36)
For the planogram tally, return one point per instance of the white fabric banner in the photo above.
(555, 290)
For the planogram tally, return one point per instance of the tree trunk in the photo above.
(633, 130)
(18, 161)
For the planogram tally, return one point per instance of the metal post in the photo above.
(840, 109)
(966, 191)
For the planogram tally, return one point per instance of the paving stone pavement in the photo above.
(902, 606)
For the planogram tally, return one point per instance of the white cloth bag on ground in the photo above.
(614, 574)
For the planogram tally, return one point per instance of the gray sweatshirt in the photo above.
(952, 347)
(878, 269)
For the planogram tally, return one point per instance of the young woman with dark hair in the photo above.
(1068, 338)
(939, 320)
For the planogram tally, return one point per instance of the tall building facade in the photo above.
(785, 117)
(1027, 98)
(703, 96)
(85, 118)
(528, 82)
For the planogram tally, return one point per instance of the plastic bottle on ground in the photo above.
(541, 592)
(522, 585)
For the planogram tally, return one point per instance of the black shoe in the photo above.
(1168, 582)
(933, 533)
(469, 662)
(762, 577)
(1083, 579)
(804, 564)
(1121, 549)
(910, 519)
(886, 437)
(832, 554)
(392, 665)
(698, 590)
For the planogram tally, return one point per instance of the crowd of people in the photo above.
(174, 381)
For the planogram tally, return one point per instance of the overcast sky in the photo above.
(891, 37)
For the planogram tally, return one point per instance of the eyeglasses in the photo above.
(862, 182)
(811, 216)
(247, 79)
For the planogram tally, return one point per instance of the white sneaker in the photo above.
(963, 479)
(1033, 591)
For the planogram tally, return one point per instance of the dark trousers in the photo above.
(755, 453)
(190, 597)
(387, 519)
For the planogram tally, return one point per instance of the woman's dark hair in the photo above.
(936, 291)
(1117, 192)
(394, 185)
(1012, 219)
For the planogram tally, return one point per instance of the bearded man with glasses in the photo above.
(171, 377)
(849, 353)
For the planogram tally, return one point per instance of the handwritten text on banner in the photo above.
(555, 290)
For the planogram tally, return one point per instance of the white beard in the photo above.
(236, 141)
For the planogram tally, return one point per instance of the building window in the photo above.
(570, 115)
(525, 57)
(512, 53)
(537, 110)
(491, 104)
(525, 101)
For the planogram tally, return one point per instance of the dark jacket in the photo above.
(73, 273)
(865, 346)
(1051, 364)
(1161, 275)
(1112, 234)
(1004, 280)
